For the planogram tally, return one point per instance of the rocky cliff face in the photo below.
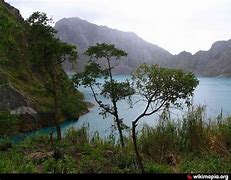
(84, 34)
(214, 62)
(12, 100)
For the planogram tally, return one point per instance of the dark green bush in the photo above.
(9, 123)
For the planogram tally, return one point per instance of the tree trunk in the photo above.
(139, 160)
(51, 70)
(56, 107)
(59, 135)
(118, 123)
(120, 130)
(51, 138)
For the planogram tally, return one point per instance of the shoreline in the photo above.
(89, 104)
(24, 134)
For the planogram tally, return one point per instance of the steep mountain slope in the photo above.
(83, 34)
(215, 62)
(22, 90)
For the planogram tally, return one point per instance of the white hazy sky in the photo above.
(174, 25)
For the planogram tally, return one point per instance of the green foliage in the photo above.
(72, 105)
(40, 22)
(80, 153)
(160, 142)
(157, 168)
(9, 44)
(51, 52)
(9, 123)
(121, 90)
(65, 165)
(105, 51)
(125, 160)
(14, 162)
(193, 133)
(110, 88)
(22, 63)
(77, 136)
(89, 76)
(162, 86)
(4, 80)
(46, 50)
(161, 89)
(207, 164)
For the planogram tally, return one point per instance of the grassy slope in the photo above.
(16, 71)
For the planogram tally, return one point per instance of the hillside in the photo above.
(215, 62)
(83, 34)
(23, 91)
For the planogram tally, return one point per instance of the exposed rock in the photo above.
(23, 110)
(13, 100)
(16, 103)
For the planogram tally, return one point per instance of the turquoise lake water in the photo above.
(215, 93)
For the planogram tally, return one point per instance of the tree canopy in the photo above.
(46, 48)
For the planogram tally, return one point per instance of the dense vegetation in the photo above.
(192, 144)
(32, 76)
(24, 81)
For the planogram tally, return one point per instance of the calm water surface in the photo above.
(212, 92)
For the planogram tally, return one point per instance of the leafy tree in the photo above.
(110, 88)
(48, 52)
(160, 88)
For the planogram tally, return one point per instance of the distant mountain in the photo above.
(215, 62)
(83, 34)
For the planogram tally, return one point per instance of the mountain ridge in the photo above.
(214, 62)
(84, 34)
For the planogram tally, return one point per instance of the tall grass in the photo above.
(194, 134)
(194, 143)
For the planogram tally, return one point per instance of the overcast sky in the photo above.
(174, 25)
